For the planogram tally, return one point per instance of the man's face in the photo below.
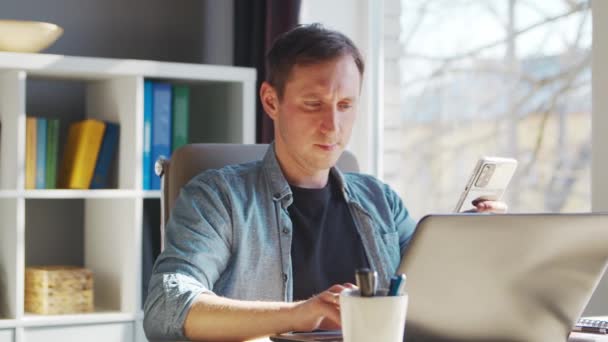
(314, 119)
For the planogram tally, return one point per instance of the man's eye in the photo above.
(345, 106)
(313, 104)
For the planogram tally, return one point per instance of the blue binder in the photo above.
(106, 157)
(161, 128)
(148, 102)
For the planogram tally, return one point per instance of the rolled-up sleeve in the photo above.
(197, 249)
(168, 303)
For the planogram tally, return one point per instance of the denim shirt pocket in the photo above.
(390, 250)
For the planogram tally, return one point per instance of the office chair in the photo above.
(190, 160)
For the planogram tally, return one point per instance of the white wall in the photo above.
(599, 171)
(351, 18)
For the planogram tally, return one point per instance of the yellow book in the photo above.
(80, 154)
(30, 153)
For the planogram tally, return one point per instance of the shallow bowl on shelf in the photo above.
(27, 36)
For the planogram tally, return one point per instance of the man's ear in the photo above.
(270, 100)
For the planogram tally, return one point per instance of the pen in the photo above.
(401, 289)
(367, 281)
(395, 285)
(591, 326)
(593, 330)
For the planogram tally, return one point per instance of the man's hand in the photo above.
(321, 311)
(485, 206)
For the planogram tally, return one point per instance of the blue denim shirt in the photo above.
(230, 234)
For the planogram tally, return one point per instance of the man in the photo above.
(266, 247)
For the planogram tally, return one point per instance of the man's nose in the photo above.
(329, 120)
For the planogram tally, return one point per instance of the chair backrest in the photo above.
(190, 160)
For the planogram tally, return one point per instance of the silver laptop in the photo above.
(502, 277)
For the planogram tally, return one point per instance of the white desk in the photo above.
(574, 337)
(581, 337)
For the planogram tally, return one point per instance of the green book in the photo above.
(181, 109)
(52, 153)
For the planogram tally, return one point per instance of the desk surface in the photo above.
(580, 337)
(574, 337)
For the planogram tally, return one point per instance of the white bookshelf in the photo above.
(100, 316)
(98, 229)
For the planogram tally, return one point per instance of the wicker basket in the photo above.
(53, 290)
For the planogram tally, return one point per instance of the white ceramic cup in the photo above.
(379, 319)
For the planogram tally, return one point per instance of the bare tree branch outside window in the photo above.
(489, 77)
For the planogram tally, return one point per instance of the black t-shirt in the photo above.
(326, 248)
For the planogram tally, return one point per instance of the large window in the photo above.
(465, 78)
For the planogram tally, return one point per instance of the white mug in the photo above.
(380, 318)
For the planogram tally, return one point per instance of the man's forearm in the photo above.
(213, 318)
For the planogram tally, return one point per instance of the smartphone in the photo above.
(488, 181)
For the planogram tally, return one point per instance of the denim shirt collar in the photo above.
(281, 191)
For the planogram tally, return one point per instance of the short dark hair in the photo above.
(306, 44)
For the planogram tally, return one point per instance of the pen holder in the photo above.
(380, 318)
